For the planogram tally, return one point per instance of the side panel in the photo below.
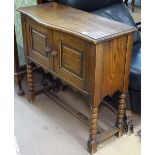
(113, 65)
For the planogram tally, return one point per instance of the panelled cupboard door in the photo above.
(39, 44)
(72, 59)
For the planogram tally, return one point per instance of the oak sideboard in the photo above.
(90, 53)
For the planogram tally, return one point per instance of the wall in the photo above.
(19, 37)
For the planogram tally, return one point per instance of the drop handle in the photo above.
(54, 53)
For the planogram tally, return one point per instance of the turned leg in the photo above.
(121, 113)
(30, 83)
(92, 146)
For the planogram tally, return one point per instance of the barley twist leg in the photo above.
(30, 83)
(121, 113)
(92, 146)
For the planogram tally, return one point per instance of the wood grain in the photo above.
(70, 62)
(88, 52)
(80, 23)
(75, 66)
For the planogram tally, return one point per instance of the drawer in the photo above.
(72, 60)
(39, 43)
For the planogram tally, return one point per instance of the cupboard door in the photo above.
(39, 44)
(70, 61)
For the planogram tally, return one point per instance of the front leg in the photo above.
(30, 83)
(121, 113)
(92, 145)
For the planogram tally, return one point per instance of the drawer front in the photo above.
(71, 61)
(38, 43)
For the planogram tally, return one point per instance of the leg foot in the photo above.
(92, 145)
(30, 83)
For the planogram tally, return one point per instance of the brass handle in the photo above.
(48, 51)
(51, 52)
(54, 53)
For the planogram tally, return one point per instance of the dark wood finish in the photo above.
(19, 71)
(88, 52)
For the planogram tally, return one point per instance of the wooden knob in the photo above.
(48, 49)
(54, 53)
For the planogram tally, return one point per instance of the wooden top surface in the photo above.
(85, 25)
